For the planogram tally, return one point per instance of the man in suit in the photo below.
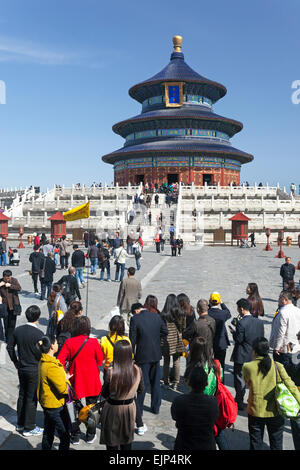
(220, 313)
(130, 292)
(248, 328)
(145, 332)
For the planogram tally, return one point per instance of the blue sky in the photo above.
(68, 66)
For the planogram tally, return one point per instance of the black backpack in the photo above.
(61, 338)
(66, 292)
(101, 255)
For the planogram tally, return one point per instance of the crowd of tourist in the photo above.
(62, 368)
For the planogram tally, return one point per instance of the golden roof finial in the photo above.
(177, 40)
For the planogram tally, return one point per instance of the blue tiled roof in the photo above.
(177, 146)
(178, 70)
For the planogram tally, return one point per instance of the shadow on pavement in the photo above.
(142, 445)
(166, 440)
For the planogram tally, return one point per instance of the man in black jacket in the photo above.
(36, 259)
(220, 313)
(46, 275)
(78, 262)
(25, 338)
(248, 328)
(70, 286)
(145, 332)
(287, 272)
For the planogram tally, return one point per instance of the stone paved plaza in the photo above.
(197, 273)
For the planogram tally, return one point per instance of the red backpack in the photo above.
(227, 406)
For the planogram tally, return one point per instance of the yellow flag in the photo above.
(80, 212)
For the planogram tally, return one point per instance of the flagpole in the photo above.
(82, 212)
(87, 274)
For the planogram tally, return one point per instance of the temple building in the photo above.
(177, 137)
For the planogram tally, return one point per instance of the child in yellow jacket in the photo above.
(52, 391)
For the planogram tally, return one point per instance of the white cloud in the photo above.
(19, 51)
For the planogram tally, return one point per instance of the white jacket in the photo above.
(285, 327)
(121, 255)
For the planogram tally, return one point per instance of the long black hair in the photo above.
(124, 373)
(257, 307)
(172, 312)
(261, 348)
(200, 355)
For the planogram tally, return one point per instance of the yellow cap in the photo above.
(215, 298)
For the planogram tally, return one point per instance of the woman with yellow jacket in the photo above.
(260, 376)
(52, 391)
(116, 333)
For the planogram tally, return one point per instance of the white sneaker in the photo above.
(141, 431)
(92, 440)
(34, 432)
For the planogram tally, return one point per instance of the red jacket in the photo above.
(85, 367)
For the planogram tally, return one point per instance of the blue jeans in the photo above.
(93, 265)
(3, 259)
(122, 266)
(103, 267)
(45, 286)
(56, 419)
(56, 258)
(79, 275)
(138, 264)
(63, 261)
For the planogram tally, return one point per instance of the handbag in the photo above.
(287, 404)
(90, 415)
(73, 407)
(228, 408)
(116, 260)
(17, 308)
(68, 364)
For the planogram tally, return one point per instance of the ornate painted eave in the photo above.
(176, 118)
(176, 147)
